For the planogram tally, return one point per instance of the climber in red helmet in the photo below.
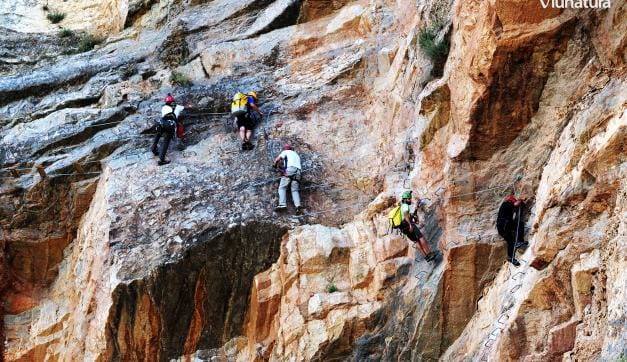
(169, 123)
(510, 227)
(288, 162)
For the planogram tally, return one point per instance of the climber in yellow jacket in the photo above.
(247, 114)
(401, 218)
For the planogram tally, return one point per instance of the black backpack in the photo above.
(167, 121)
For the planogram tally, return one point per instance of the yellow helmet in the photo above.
(253, 94)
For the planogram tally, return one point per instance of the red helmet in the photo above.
(511, 198)
(169, 99)
(287, 147)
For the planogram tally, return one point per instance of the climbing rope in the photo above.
(313, 213)
(194, 114)
(72, 174)
(45, 209)
(99, 124)
(440, 190)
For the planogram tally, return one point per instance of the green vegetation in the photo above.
(436, 50)
(65, 33)
(55, 17)
(179, 79)
(331, 288)
(88, 42)
(128, 72)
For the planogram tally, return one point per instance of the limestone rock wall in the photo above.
(106, 256)
(98, 17)
(521, 95)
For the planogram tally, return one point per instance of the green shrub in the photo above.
(179, 79)
(55, 17)
(88, 42)
(436, 50)
(331, 288)
(128, 71)
(65, 33)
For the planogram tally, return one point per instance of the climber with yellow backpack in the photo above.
(247, 114)
(403, 220)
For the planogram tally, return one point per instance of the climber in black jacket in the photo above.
(510, 227)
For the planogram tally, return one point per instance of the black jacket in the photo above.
(505, 218)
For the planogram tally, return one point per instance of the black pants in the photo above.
(415, 235)
(167, 133)
(247, 120)
(509, 234)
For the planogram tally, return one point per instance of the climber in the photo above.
(289, 164)
(169, 123)
(510, 227)
(401, 218)
(247, 114)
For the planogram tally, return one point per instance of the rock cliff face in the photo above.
(106, 256)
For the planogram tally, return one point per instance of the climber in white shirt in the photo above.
(289, 162)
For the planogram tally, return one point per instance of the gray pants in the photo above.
(285, 182)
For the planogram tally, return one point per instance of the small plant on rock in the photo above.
(179, 79)
(331, 288)
(435, 49)
(65, 33)
(55, 17)
(128, 72)
(88, 42)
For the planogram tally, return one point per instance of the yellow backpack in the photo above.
(239, 105)
(395, 217)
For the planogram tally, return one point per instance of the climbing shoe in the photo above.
(431, 256)
(154, 151)
(299, 210)
(244, 146)
(522, 245)
(163, 162)
(248, 145)
(514, 261)
(280, 208)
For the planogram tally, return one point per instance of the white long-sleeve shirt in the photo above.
(168, 109)
(293, 160)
